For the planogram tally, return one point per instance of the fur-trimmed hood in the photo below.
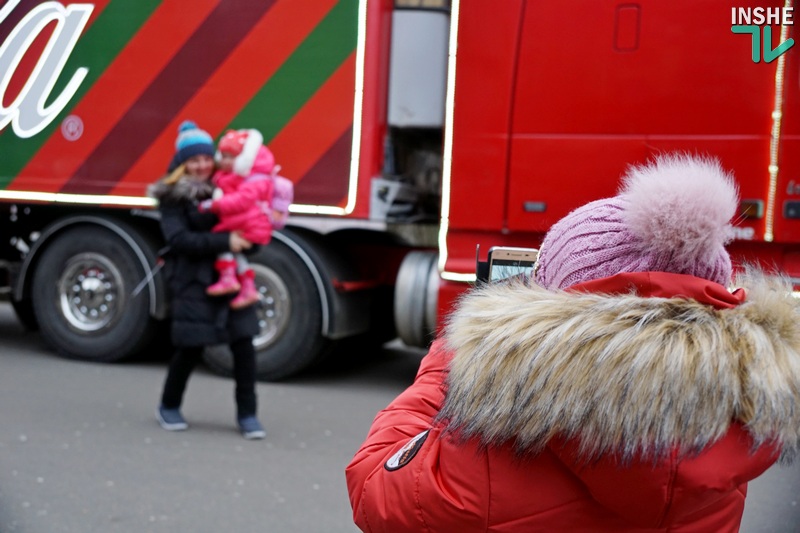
(186, 188)
(626, 374)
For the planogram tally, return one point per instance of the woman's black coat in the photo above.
(197, 319)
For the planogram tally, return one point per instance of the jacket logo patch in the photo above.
(407, 452)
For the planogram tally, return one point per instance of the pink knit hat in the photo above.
(672, 215)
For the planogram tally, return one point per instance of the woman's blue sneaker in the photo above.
(251, 428)
(171, 419)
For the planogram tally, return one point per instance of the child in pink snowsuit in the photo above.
(245, 180)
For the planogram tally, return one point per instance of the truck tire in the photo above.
(82, 300)
(24, 311)
(290, 317)
(416, 297)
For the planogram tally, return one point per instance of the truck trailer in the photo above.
(418, 134)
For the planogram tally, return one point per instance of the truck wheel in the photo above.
(24, 311)
(290, 317)
(416, 299)
(82, 299)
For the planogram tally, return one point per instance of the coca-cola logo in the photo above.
(29, 113)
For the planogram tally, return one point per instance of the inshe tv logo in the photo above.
(757, 21)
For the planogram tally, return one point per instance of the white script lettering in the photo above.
(28, 114)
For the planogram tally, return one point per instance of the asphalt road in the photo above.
(80, 450)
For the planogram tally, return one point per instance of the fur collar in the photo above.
(624, 374)
(184, 189)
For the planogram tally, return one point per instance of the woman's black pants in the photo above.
(244, 373)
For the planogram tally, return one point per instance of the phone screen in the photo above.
(507, 263)
(508, 268)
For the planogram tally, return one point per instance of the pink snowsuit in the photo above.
(245, 204)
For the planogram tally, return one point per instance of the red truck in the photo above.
(413, 135)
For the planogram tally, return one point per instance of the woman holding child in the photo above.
(200, 320)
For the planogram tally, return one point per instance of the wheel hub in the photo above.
(91, 292)
(274, 306)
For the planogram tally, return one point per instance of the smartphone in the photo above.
(507, 262)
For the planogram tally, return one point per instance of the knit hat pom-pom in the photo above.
(187, 125)
(681, 205)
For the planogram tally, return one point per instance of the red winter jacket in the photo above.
(639, 403)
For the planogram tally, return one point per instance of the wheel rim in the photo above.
(91, 292)
(274, 306)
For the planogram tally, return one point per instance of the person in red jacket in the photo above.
(628, 388)
(243, 204)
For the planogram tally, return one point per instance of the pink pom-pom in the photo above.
(681, 205)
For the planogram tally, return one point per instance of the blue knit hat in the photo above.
(191, 141)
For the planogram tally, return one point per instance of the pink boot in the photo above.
(248, 295)
(227, 284)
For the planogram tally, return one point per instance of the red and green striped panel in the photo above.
(285, 67)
